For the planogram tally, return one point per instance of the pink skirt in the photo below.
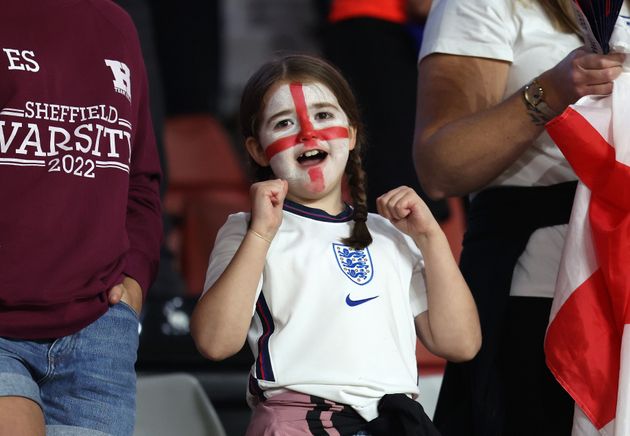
(295, 414)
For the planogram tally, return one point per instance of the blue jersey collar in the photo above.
(317, 214)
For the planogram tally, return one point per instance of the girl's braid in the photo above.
(360, 236)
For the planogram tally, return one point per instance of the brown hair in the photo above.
(561, 14)
(309, 69)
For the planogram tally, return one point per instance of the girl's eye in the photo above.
(283, 124)
(323, 116)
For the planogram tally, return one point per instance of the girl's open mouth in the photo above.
(311, 157)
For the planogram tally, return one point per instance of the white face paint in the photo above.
(305, 135)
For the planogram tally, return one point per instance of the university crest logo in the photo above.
(122, 77)
(355, 264)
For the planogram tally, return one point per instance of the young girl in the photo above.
(329, 297)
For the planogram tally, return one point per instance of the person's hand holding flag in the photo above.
(588, 340)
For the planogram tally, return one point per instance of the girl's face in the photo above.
(306, 137)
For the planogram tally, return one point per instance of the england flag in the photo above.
(587, 345)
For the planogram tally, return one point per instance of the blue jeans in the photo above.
(85, 383)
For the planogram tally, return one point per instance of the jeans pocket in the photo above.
(128, 307)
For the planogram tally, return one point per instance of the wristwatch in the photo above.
(534, 96)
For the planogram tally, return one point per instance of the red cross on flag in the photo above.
(587, 345)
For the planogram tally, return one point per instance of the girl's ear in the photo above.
(352, 137)
(256, 151)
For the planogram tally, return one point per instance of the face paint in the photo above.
(317, 179)
(305, 135)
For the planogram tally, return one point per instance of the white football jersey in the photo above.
(329, 320)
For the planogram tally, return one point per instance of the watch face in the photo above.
(537, 94)
(534, 94)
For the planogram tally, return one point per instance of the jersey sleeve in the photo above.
(480, 28)
(417, 287)
(229, 239)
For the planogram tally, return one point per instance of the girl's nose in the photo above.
(307, 135)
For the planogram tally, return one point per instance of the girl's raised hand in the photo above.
(407, 212)
(267, 199)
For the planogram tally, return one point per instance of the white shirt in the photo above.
(331, 321)
(518, 32)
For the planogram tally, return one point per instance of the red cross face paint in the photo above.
(305, 135)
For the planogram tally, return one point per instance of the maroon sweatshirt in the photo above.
(79, 170)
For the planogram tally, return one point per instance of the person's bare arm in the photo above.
(466, 136)
(450, 326)
(223, 315)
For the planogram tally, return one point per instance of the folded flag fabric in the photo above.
(597, 19)
(587, 345)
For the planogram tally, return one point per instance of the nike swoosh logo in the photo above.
(350, 302)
